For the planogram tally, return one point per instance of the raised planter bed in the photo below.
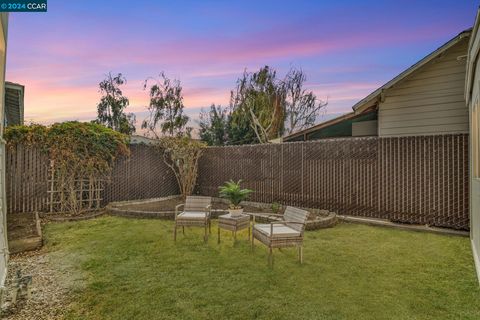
(24, 232)
(164, 208)
(322, 219)
(66, 217)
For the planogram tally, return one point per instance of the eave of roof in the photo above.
(13, 84)
(321, 125)
(473, 51)
(371, 100)
(373, 97)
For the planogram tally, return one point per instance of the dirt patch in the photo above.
(24, 232)
(21, 226)
(50, 294)
(63, 217)
(170, 204)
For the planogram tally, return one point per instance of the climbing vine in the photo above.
(81, 155)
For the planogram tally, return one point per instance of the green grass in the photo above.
(132, 270)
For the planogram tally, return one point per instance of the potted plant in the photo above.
(232, 191)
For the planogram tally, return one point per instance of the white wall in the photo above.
(3, 213)
(429, 101)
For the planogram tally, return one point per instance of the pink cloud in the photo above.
(61, 73)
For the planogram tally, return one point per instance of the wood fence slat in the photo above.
(409, 179)
(420, 179)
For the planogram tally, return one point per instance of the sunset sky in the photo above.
(346, 48)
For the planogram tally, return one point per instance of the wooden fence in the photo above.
(409, 179)
(142, 175)
(26, 180)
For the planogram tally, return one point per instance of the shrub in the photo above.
(181, 154)
(78, 151)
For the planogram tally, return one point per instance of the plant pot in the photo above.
(235, 212)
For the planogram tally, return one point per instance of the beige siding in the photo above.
(473, 97)
(430, 100)
(364, 128)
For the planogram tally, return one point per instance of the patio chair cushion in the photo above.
(192, 215)
(279, 230)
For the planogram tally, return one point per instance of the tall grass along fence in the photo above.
(30, 186)
(420, 179)
(409, 179)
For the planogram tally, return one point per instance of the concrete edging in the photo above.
(409, 227)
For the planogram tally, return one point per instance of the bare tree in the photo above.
(302, 107)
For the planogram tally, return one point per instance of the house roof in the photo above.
(373, 97)
(13, 84)
(137, 139)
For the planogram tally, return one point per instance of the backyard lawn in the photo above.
(131, 269)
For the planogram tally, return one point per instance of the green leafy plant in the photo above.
(81, 157)
(166, 108)
(276, 207)
(232, 191)
(112, 105)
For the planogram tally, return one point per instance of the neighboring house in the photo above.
(426, 99)
(429, 98)
(136, 139)
(472, 96)
(14, 104)
(3, 212)
(347, 125)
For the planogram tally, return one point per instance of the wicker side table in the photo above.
(234, 224)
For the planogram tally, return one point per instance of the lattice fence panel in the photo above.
(81, 193)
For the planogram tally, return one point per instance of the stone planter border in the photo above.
(325, 218)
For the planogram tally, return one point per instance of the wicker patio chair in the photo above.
(196, 213)
(287, 232)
